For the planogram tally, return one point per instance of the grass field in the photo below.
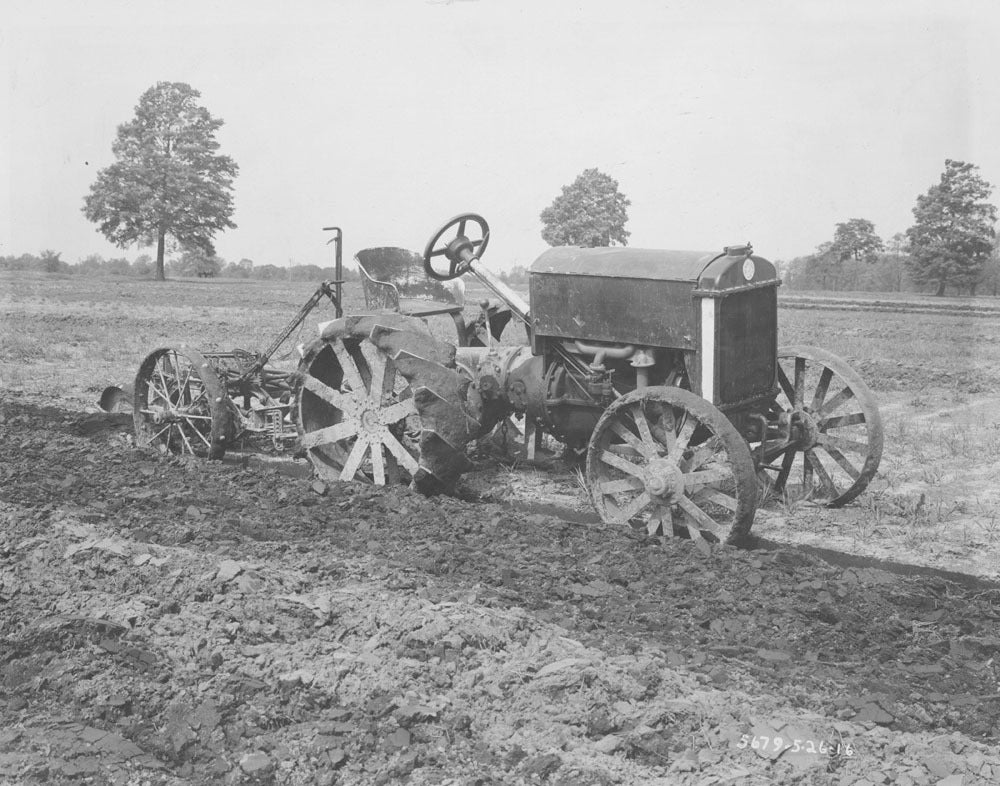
(64, 339)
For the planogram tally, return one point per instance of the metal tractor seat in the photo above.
(393, 279)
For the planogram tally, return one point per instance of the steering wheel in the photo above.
(460, 251)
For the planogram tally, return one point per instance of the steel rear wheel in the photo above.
(357, 417)
(665, 460)
(824, 439)
(180, 405)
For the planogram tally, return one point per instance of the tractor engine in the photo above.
(608, 321)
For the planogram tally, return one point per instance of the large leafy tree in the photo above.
(952, 237)
(856, 239)
(590, 212)
(168, 178)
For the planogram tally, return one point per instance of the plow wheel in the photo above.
(180, 405)
(824, 439)
(665, 460)
(357, 416)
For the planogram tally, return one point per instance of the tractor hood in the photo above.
(647, 297)
(706, 270)
(649, 263)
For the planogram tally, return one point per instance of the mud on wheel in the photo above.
(824, 437)
(667, 461)
(356, 414)
(180, 404)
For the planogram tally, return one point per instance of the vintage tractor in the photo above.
(662, 366)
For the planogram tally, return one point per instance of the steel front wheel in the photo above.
(357, 418)
(666, 460)
(824, 437)
(180, 405)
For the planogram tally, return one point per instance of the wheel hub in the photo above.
(370, 420)
(664, 480)
(804, 430)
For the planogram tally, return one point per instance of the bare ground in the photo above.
(166, 621)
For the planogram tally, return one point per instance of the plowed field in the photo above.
(171, 621)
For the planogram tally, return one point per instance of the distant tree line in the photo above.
(952, 244)
(188, 264)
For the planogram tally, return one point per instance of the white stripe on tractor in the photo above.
(708, 349)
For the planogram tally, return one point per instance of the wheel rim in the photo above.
(357, 416)
(179, 405)
(665, 460)
(824, 439)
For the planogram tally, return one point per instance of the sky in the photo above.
(723, 121)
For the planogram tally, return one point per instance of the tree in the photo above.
(197, 262)
(51, 262)
(168, 178)
(991, 273)
(91, 265)
(590, 212)
(142, 265)
(270, 272)
(856, 239)
(952, 237)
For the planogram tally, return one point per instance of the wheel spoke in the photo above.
(786, 386)
(854, 419)
(401, 409)
(380, 371)
(634, 508)
(696, 480)
(826, 482)
(701, 519)
(163, 394)
(330, 435)
(182, 374)
(378, 463)
(645, 434)
(617, 486)
(351, 374)
(771, 450)
(717, 497)
(800, 379)
(354, 458)
(701, 455)
(785, 471)
(187, 443)
(841, 459)
(166, 385)
(684, 435)
(618, 462)
(403, 456)
(822, 387)
(197, 431)
(657, 524)
(331, 396)
(632, 440)
(851, 446)
(196, 393)
(845, 395)
(157, 434)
